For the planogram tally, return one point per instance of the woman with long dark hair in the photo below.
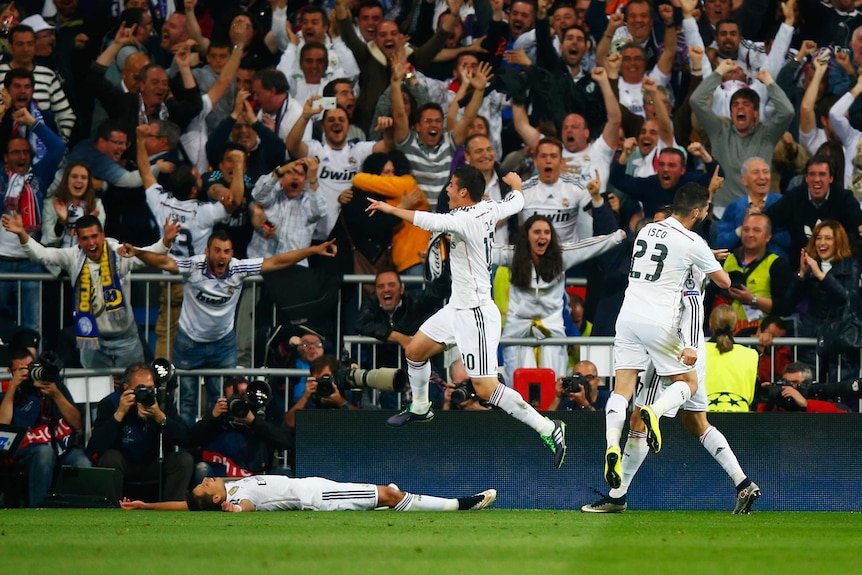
(538, 263)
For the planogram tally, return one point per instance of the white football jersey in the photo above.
(282, 493)
(335, 174)
(196, 219)
(563, 203)
(472, 238)
(583, 165)
(209, 302)
(663, 253)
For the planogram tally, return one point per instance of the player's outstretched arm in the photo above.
(720, 278)
(128, 504)
(375, 206)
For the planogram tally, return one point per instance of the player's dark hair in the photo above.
(689, 196)
(88, 221)
(550, 266)
(201, 502)
(183, 182)
(471, 179)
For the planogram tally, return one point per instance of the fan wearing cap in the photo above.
(235, 438)
(45, 39)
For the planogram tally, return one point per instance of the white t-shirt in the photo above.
(472, 237)
(196, 219)
(209, 302)
(335, 174)
(563, 202)
(663, 253)
(583, 164)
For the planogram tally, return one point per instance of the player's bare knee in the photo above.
(388, 496)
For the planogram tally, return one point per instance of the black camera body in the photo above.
(256, 398)
(574, 383)
(144, 395)
(325, 386)
(462, 392)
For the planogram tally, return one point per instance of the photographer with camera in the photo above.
(236, 439)
(37, 399)
(134, 434)
(580, 391)
(459, 392)
(331, 381)
(795, 392)
(321, 390)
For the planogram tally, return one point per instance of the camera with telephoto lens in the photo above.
(574, 383)
(839, 390)
(382, 379)
(256, 398)
(47, 367)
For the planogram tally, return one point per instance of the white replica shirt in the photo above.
(563, 202)
(335, 174)
(582, 166)
(196, 219)
(544, 300)
(286, 117)
(663, 253)
(209, 303)
(472, 237)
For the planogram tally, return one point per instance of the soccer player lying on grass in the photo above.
(282, 493)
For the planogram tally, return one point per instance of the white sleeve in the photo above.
(838, 116)
(279, 34)
(345, 59)
(691, 36)
(778, 52)
(63, 257)
(501, 255)
(577, 252)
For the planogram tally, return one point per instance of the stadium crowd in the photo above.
(231, 138)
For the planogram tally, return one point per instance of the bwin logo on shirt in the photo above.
(559, 217)
(343, 176)
(202, 297)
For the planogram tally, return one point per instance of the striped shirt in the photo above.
(49, 94)
(295, 218)
(430, 165)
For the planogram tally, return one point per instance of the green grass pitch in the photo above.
(493, 541)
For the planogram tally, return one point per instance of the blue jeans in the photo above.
(40, 460)
(190, 354)
(119, 351)
(29, 294)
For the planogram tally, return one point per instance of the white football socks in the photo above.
(633, 457)
(426, 503)
(615, 418)
(419, 374)
(675, 395)
(716, 444)
(512, 403)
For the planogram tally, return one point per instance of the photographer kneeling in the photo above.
(37, 399)
(236, 439)
(796, 391)
(580, 391)
(130, 427)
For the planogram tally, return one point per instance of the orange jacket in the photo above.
(408, 241)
